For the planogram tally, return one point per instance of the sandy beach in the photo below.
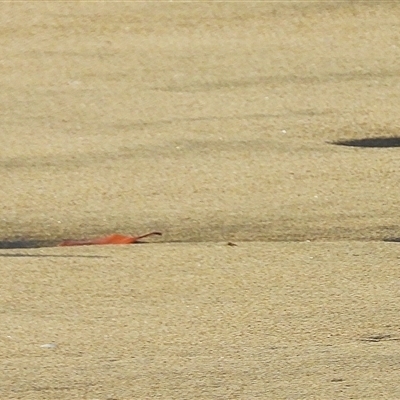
(220, 125)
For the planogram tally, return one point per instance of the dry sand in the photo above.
(211, 122)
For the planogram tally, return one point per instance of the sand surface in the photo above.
(213, 123)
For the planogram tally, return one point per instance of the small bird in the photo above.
(111, 239)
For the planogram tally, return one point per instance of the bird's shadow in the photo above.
(36, 244)
(50, 255)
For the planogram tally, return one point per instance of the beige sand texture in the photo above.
(212, 122)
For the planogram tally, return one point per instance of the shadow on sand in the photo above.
(379, 142)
